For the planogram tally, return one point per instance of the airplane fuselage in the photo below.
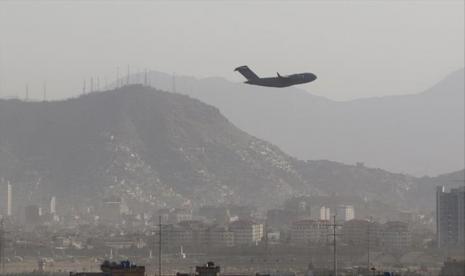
(278, 81)
(283, 81)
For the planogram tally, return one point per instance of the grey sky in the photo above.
(358, 49)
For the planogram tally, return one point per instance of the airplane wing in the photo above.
(282, 77)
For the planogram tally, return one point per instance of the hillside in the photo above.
(153, 147)
(158, 149)
(419, 134)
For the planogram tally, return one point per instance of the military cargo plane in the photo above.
(279, 81)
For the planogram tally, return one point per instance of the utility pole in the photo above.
(266, 244)
(368, 245)
(334, 234)
(334, 246)
(2, 246)
(159, 245)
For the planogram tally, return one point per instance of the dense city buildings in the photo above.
(288, 232)
(246, 232)
(361, 233)
(216, 214)
(308, 232)
(345, 213)
(220, 237)
(110, 211)
(450, 217)
(325, 213)
(277, 218)
(396, 237)
(32, 215)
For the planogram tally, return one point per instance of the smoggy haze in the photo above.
(357, 49)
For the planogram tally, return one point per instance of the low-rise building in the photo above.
(220, 236)
(357, 232)
(246, 232)
(305, 232)
(396, 237)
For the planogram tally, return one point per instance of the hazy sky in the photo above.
(357, 48)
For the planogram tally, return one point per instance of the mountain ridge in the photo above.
(157, 149)
(401, 133)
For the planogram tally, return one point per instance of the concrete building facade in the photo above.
(305, 232)
(450, 217)
(246, 232)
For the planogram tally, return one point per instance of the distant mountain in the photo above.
(152, 147)
(420, 134)
(158, 149)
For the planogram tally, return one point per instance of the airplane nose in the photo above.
(311, 76)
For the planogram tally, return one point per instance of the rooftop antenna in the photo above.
(45, 91)
(117, 77)
(145, 77)
(174, 83)
(127, 79)
(27, 92)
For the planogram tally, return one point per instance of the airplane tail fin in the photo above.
(246, 72)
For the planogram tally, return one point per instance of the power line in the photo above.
(368, 244)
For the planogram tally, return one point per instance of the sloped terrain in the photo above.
(152, 147)
(419, 134)
(158, 149)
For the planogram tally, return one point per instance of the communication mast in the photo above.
(127, 77)
(174, 83)
(45, 91)
(27, 92)
(117, 77)
(145, 77)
